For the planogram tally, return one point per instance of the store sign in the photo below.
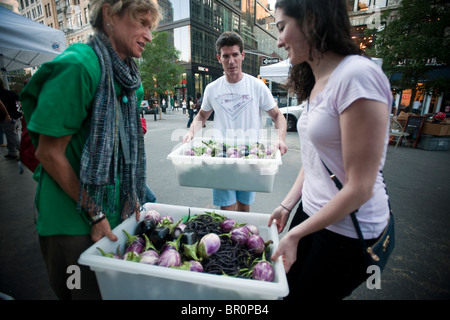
(270, 60)
(203, 69)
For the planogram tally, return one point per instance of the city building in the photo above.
(194, 26)
(70, 16)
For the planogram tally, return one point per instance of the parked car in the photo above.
(292, 114)
(147, 109)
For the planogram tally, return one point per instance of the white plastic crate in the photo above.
(225, 173)
(127, 280)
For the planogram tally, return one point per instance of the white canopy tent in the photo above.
(277, 72)
(25, 43)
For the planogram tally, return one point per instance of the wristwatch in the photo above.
(97, 218)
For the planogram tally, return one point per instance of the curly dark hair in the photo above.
(326, 27)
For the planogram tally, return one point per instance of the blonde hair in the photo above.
(119, 7)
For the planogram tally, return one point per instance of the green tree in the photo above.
(416, 43)
(159, 70)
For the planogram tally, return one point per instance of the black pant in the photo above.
(60, 252)
(191, 117)
(329, 266)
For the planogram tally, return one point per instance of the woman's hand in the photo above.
(101, 229)
(280, 215)
(287, 249)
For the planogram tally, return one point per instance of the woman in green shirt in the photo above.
(82, 112)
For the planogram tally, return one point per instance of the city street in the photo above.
(417, 182)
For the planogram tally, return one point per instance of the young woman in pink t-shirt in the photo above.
(345, 125)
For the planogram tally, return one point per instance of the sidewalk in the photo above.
(418, 185)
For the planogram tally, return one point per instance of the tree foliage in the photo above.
(415, 43)
(159, 70)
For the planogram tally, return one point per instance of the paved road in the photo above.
(418, 183)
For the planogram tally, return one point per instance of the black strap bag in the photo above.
(379, 252)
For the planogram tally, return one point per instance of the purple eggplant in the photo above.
(242, 151)
(190, 265)
(153, 215)
(149, 257)
(170, 258)
(240, 235)
(169, 245)
(208, 245)
(252, 228)
(256, 243)
(131, 256)
(134, 243)
(167, 220)
(195, 266)
(263, 271)
(189, 152)
(232, 153)
(178, 231)
(227, 225)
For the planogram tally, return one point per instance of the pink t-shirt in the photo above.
(355, 77)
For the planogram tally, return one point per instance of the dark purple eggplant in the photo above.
(145, 227)
(188, 237)
(188, 244)
(159, 236)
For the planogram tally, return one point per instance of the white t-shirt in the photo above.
(237, 106)
(319, 131)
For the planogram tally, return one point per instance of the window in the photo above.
(381, 3)
(363, 4)
(265, 19)
(182, 42)
(174, 10)
(203, 48)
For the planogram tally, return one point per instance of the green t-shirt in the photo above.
(57, 102)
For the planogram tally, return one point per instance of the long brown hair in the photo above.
(326, 27)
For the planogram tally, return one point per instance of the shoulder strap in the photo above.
(352, 215)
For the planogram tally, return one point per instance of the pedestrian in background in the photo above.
(71, 105)
(183, 106)
(10, 121)
(2, 138)
(191, 107)
(345, 126)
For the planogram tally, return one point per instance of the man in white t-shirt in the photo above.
(237, 100)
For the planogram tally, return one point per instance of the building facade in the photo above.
(70, 16)
(194, 26)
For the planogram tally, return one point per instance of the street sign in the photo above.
(270, 60)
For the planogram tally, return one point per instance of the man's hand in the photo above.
(188, 137)
(101, 229)
(282, 146)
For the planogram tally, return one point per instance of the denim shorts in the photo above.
(224, 198)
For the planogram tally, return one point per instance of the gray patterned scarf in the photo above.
(114, 149)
